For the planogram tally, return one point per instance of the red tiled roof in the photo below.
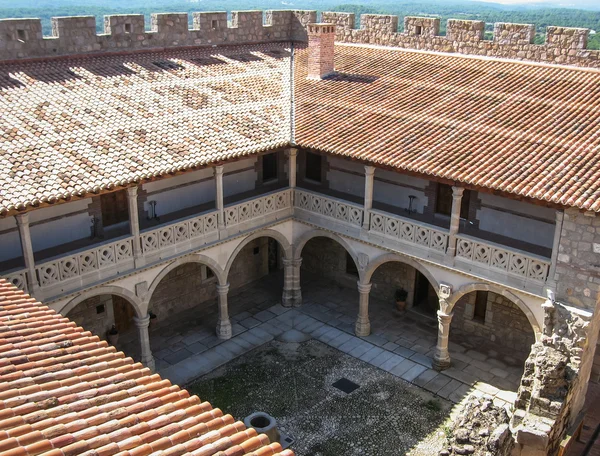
(74, 126)
(65, 392)
(525, 129)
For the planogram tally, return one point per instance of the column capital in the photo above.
(219, 170)
(141, 322)
(369, 170)
(223, 289)
(292, 261)
(292, 151)
(364, 287)
(132, 192)
(22, 219)
(457, 192)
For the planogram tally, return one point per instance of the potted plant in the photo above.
(401, 295)
(113, 336)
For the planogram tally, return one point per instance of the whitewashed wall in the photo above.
(517, 223)
(346, 181)
(239, 177)
(66, 228)
(191, 189)
(386, 191)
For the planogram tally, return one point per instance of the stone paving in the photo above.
(383, 416)
(185, 346)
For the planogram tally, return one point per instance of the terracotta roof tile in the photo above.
(81, 125)
(74, 395)
(526, 129)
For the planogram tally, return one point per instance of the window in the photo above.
(127, 27)
(351, 265)
(481, 300)
(418, 30)
(114, 208)
(269, 167)
(443, 202)
(313, 167)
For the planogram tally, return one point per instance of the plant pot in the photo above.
(113, 339)
(401, 305)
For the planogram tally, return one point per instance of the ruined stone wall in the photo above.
(22, 38)
(94, 314)
(326, 258)
(555, 380)
(190, 285)
(515, 41)
(505, 330)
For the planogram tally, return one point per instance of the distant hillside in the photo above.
(489, 12)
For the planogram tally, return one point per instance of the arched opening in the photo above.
(490, 338)
(100, 312)
(255, 277)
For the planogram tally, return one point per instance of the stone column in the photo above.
(296, 290)
(134, 225)
(551, 282)
(223, 323)
(219, 196)
(292, 171)
(27, 249)
(362, 328)
(287, 300)
(142, 326)
(369, 175)
(441, 358)
(457, 193)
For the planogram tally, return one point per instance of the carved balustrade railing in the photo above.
(329, 207)
(257, 208)
(407, 230)
(18, 278)
(503, 258)
(80, 263)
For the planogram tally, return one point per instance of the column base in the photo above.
(224, 329)
(297, 299)
(362, 328)
(441, 363)
(149, 363)
(287, 299)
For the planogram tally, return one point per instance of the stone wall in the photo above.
(391, 276)
(189, 285)
(506, 330)
(326, 258)
(577, 274)
(22, 38)
(94, 314)
(555, 381)
(563, 45)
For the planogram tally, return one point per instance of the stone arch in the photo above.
(389, 257)
(195, 258)
(279, 237)
(303, 240)
(129, 296)
(481, 286)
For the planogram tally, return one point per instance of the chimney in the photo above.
(320, 50)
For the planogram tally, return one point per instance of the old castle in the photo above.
(143, 173)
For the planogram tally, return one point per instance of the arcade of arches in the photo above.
(190, 296)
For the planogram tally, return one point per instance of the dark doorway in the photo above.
(123, 313)
(426, 300)
(273, 255)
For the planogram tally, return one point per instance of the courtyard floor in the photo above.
(185, 346)
(292, 382)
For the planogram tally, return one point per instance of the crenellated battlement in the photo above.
(515, 41)
(22, 38)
